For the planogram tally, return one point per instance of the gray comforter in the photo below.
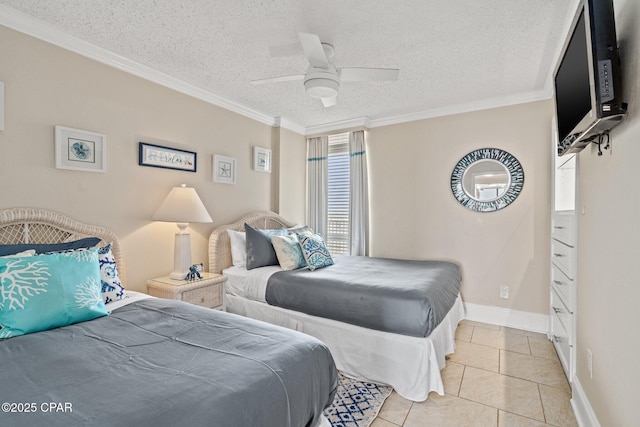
(401, 296)
(166, 363)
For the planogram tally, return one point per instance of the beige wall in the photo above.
(293, 172)
(609, 250)
(47, 86)
(415, 215)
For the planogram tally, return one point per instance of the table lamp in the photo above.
(182, 206)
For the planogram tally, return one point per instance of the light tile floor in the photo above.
(496, 377)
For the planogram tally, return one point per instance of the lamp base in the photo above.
(181, 256)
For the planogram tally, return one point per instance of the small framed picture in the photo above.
(158, 156)
(80, 150)
(261, 159)
(224, 169)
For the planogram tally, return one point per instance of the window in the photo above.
(338, 197)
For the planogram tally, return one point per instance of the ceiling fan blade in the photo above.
(313, 50)
(277, 79)
(330, 102)
(357, 74)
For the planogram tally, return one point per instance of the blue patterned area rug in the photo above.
(356, 403)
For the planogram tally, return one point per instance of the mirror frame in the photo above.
(513, 166)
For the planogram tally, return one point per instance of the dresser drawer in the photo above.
(560, 325)
(563, 257)
(563, 229)
(207, 296)
(563, 286)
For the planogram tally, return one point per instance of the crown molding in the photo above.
(33, 27)
(288, 124)
(339, 125)
(484, 104)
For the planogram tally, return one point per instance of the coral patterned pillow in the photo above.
(112, 288)
(48, 291)
(314, 250)
(289, 252)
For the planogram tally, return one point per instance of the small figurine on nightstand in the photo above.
(194, 272)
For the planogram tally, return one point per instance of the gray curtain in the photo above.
(359, 190)
(317, 155)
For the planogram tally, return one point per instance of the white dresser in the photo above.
(564, 288)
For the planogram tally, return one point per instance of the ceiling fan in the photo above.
(322, 78)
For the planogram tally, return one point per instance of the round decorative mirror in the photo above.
(487, 180)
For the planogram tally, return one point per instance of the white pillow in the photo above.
(238, 241)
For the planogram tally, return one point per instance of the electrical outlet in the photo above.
(590, 363)
(504, 292)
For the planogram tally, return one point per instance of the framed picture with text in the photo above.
(158, 156)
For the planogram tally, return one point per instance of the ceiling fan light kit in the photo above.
(322, 79)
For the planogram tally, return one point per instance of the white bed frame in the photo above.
(410, 364)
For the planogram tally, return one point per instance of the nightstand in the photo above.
(206, 292)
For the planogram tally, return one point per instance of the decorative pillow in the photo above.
(48, 291)
(289, 252)
(112, 289)
(238, 240)
(260, 251)
(40, 248)
(314, 250)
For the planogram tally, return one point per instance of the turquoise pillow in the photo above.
(43, 292)
(314, 250)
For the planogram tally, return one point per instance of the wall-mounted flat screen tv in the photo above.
(588, 90)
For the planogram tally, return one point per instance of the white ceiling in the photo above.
(453, 55)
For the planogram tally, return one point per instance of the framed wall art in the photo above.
(261, 159)
(158, 156)
(80, 150)
(224, 169)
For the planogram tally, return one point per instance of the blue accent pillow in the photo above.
(43, 292)
(41, 248)
(260, 251)
(289, 252)
(314, 250)
(111, 286)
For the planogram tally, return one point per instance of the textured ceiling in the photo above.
(450, 52)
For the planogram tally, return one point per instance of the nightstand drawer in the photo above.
(205, 291)
(208, 296)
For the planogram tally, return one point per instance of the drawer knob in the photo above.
(557, 338)
(558, 282)
(559, 255)
(558, 227)
(558, 310)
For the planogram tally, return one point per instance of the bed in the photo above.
(410, 362)
(152, 362)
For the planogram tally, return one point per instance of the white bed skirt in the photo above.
(411, 365)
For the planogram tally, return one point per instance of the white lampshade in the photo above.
(182, 206)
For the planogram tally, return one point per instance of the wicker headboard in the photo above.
(32, 225)
(219, 246)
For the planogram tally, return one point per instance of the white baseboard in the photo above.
(581, 406)
(525, 320)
